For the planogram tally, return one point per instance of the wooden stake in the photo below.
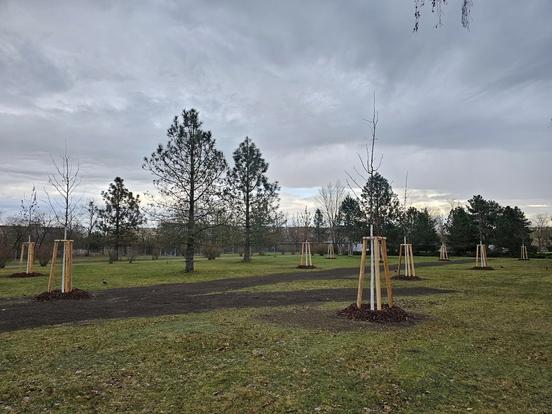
(481, 256)
(377, 273)
(30, 257)
(361, 274)
(400, 257)
(443, 254)
(53, 267)
(67, 264)
(524, 254)
(387, 274)
(405, 250)
(331, 252)
(412, 268)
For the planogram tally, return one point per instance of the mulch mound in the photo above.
(385, 315)
(483, 268)
(23, 274)
(306, 267)
(76, 294)
(401, 277)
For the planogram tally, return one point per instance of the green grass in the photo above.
(485, 348)
(90, 274)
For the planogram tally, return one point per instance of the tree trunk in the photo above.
(247, 244)
(190, 237)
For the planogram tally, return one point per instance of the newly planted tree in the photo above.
(249, 190)
(188, 171)
(64, 182)
(121, 215)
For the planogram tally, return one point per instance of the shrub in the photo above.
(112, 256)
(5, 256)
(211, 251)
(132, 253)
(155, 252)
(43, 255)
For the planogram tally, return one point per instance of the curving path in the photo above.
(169, 299)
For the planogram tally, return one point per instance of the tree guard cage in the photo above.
(66, 266)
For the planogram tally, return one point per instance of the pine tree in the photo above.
(318, 223)
(249, 190)
(380, 203)
(188, 173)
(121, 215)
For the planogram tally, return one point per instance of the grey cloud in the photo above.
(297, 77)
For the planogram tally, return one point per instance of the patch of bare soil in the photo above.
(402, 277)
(320, 319)
(387, 314)
(23, 274)
(75, 294)
(306, 267)
(172, 299)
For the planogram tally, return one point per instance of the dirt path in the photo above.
(171, 299)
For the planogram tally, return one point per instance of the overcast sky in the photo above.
(464, 112)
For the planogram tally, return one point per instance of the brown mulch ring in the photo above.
(402, 277)
(309, 317)
(306, 267)
(385, 315)
(483, 268)
(76, 294)
(23, 274)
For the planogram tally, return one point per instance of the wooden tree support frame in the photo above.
(524, 254)
(306, 255)
(67, 266)
(29, 247)
(405, 251)
(378, 257)
(481, 256)
(443, 253)
(330, 254)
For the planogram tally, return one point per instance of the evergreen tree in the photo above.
(318, 223)
(380, 203)
(188, 172)
(462, 231)
(250, 191)
(420, 229)
(512, 230)
(121, 216)
(352, 222)
(484, 215)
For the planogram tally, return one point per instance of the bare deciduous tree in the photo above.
(64, 181)
(368, 168)
(437, 7)
(330, 198)
(542, 230)
(303, 220)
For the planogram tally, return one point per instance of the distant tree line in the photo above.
(206, 206)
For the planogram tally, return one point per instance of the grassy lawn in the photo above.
(485, 348)
(90, 274)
